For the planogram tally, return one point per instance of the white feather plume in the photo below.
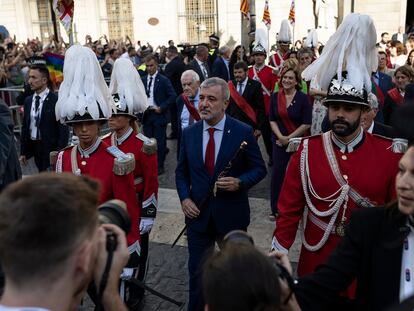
(83, 88)
(261, 38)
(285, 33)
(351, 48)
(312, 39)
(126, 81)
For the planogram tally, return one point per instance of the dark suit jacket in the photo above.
(54, 135)
(254, 97)
(173, 71)
(383, 130)
(384, 83)
(164, 95)
(228, 210)
(371, 252)
(9, 162)
(394, 37)
(196, 67)
(219, 69)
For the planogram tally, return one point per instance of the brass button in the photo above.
(83, 162)
(344, 157)
(346, 177)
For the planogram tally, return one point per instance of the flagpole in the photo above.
(52, 12)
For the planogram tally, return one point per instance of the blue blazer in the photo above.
(384, 83)
(164, 94)
(219, 69)
(228, 210)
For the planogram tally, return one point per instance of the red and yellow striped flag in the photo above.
(291, 17)
(266, 15)
(245, 8)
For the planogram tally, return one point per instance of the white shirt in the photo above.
(371, 128)
(151, 102)
(202, 67)
(218, 136)
(407, 267)
(34, 114)
(185, 114)
(4, 308)
(243, 86)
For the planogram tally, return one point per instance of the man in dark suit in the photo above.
(220, 68)
(161, 96)
(206, 149)
(9, 161)
(251, 91)
(173, 71)
(383, 83)
(400, 36)
(200, 63)
(187, 116)
(41, 133)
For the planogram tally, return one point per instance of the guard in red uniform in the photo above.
(331, 175)
(85, 103)
(284, 39)
(130, 99)
(264, 74)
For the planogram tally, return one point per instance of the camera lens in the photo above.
(115, 212)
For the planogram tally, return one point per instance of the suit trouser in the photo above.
(155, 126)
(267, 137)
(174, 120)
(40, 157)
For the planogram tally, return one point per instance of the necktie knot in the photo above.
(211, 131)
(37, 101)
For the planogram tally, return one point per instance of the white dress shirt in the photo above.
(34, 114)
(202, 67)
(185, 114)
(407, 267)
(151, 102)
(218, 136)
(243, 86)
(371, 128)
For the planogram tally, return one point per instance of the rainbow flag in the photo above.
(54, 63)
(266, 15)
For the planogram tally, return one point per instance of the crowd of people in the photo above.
(329, 118)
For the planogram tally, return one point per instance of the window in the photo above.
(45, 20)
(120, 20)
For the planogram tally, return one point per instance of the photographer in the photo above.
(242, 278)
(51, 246)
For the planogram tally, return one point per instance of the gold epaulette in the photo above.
(150, 144)
(53, 155)
(124, 163)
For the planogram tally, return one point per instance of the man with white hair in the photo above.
(187, 103)
(220, 67)
(368, 120)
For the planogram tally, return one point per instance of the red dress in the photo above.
(98, 163)
(370, 169)
(268, 80)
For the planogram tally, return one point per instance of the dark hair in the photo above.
(399, 46)
(131, 48)
(298, 86)
(408, 58)
(382, 53)
(44, 72)
(241, 65)
(150, 57)
(112, 51)
(201, 49)
(241, 278)
(172, 49)
(42, 220)
(406, 71)
(384, 33)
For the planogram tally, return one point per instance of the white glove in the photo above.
(146, 224)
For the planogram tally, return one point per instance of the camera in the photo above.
(114, 212)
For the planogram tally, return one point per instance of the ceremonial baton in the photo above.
(213, 187)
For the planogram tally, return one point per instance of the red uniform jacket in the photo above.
(370, 170)
(276, 60)
(99, 166)
(268, 81)
(145, 173)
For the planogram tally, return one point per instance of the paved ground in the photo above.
(167, 270)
